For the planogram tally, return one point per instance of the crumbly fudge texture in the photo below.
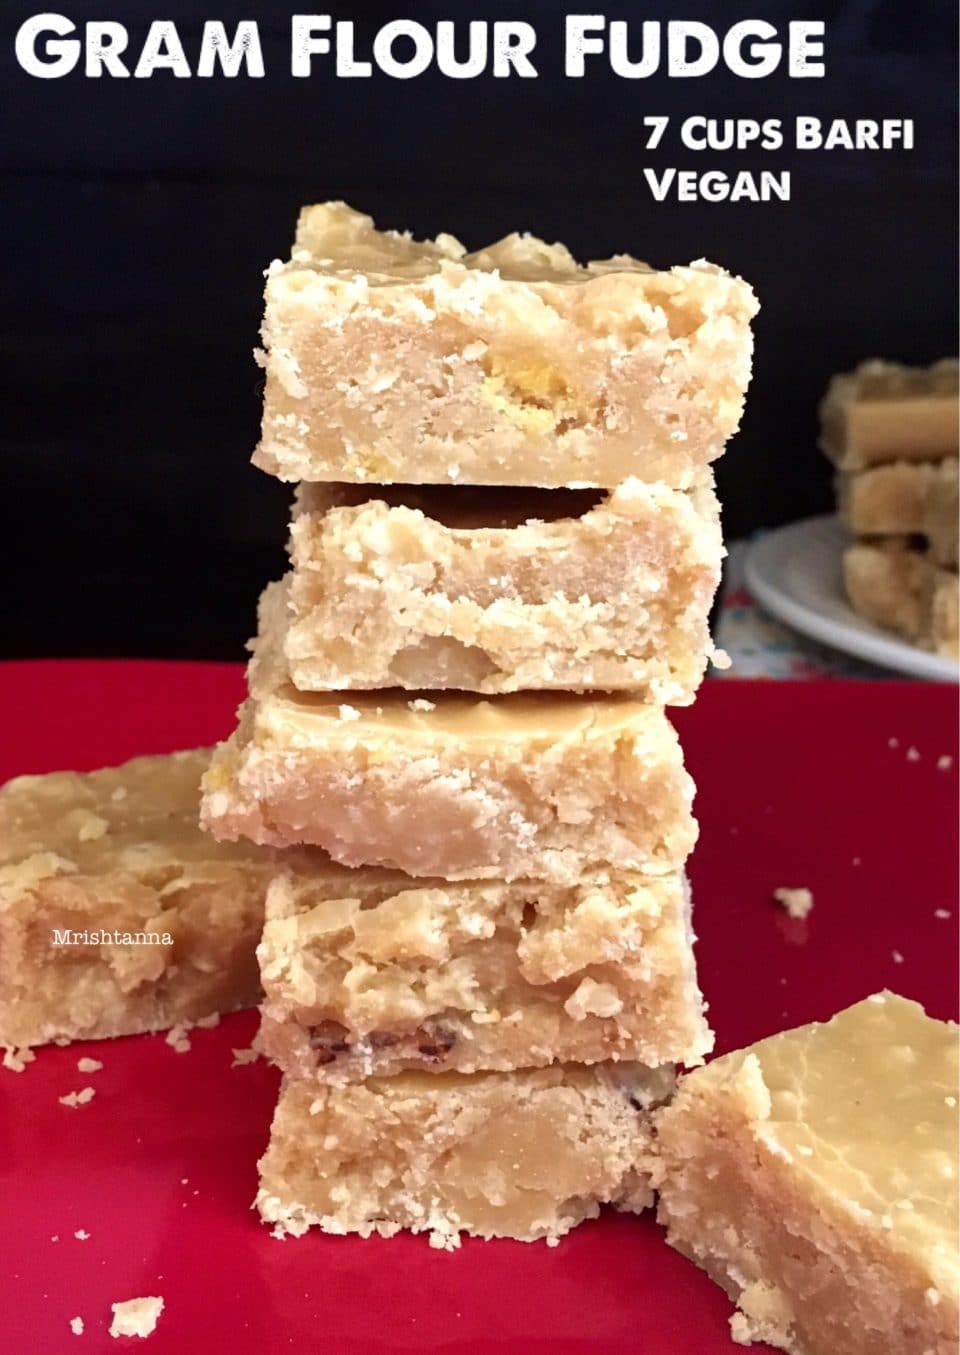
(814, 1177)
(120, 852)
(884, 411)
(394, 360)
(481, 975)
(458, 588)
(898, 587)
(525, 1155)
(536, 786)
(905, 498)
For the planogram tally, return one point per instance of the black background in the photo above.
(140, 214)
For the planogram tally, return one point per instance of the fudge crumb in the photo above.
(135, 1317)
(444, 1241)
(208, 1022)
(348, 713)
(944, 762)
(942, 913)
(79, 1098)
(89, 1065)
(897, 957)
(178, 1039)
(243, 1056)
(421, 704)
(893, 743)
(119, 794)
(92, 828)
(55, 1237)
(81, 1235)
(553, 1242)
(741, 1333)
(912, 754)
(17, 1059)
(856, 860)
(796, 902)
(76, 1326)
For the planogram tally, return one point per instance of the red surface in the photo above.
(799, 785)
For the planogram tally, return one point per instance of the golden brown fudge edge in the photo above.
(370, 975)
(514, 365)
(614, 598)
(193, 920)
(526, 1155)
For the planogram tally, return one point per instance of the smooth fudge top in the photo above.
(865, 1105)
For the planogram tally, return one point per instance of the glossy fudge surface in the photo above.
(885, 411)
(530, 785)
(392, 360)
(526, 1155)
(814, 1176)
(111, 859)
(368, 972)
(501, 590)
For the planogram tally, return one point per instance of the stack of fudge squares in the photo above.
(477, 958)
(893, 432)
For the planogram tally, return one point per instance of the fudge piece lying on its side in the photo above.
(885, 411)
(814, 1177)
(900, 588)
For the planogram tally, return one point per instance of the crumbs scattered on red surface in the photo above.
(796, 902)
(79, 1098)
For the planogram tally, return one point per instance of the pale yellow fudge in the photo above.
(542, 786)
(900, 588)
(368, 972)
(389, 359)
(525, 1155)
(814, 1177)
(117, 914)
(502, 590)
(885, 411)
(905, 498)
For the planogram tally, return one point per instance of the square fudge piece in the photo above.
(117, 914)
(393, 360)
(525, 1155)
(905, 498)
(535, 786)
(366, 973)
(814, 1176)
(884, 411)
(895, 586)
(493, 590)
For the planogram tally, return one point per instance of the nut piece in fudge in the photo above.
(368, 972)
(814, 1177)
(501, 590)
(393, 360)
(885, 411)
(117, 914)
(528, 785)
(525, 1155)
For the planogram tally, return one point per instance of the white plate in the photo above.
(795, 573)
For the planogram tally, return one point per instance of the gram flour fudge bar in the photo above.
(389, 359)
(885, 411)
(905, 498)
(814, 1176)
(899, 587)
(117, 914)
(494, 590)
(525, 1155)
(530, 785)
(368, 973)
